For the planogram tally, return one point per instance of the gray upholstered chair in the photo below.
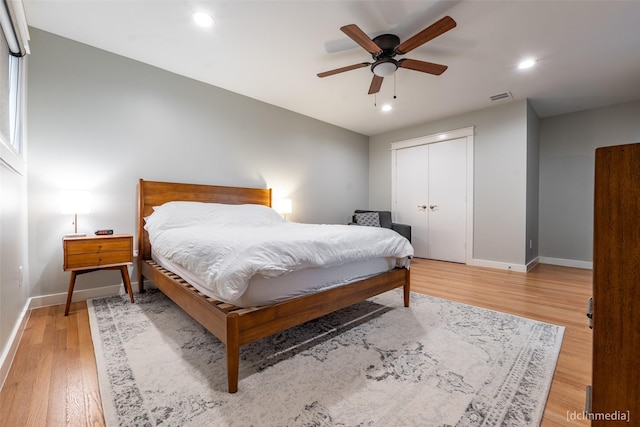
(380, 219)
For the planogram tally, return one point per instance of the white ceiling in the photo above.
(588, 52)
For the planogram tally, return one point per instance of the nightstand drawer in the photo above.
(98, 259)
(96, 246)
(95, 252)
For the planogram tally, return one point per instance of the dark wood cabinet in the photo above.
(615, 393)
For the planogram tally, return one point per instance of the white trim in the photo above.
(533, 263)
(470, 193)
(80, 295)
(13, 160)
(567, 262)
(520, 268)
(9, 29)
(467, 133)
(15, 28)
(436, 137)
(6, 360)
(21, 24)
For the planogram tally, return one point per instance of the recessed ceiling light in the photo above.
(387, 107)
(202, 19)
(527, 63)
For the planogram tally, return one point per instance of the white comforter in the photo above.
(225, 245)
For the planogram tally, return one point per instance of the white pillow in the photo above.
(185, 214)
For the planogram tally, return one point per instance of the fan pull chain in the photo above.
(394, 86)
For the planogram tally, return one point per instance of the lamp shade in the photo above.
(282, 206)
(75, 202)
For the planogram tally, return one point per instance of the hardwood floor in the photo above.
(53, 380)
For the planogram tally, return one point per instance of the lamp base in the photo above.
(75, 235)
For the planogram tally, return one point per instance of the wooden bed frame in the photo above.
(236, 326)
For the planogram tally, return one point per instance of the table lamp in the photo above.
(283, 206)
(75, 202)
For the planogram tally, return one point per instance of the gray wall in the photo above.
(13, 253)
(98, 122)
(533, 177)
(500, 176)
(567, 153)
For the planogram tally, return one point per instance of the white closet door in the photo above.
(412, 195)
(447, 200)
(431, 181)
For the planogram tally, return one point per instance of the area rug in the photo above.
(377, 363)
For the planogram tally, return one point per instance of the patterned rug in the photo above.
(377, 363)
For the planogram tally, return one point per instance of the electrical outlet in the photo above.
(20, 276)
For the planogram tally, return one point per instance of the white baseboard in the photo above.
(531, 264)
(79, 295)
(6, 359)
(521, 268)
(567, 262)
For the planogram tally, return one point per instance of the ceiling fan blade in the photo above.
(343, 69)
(425, 67)
(376, 84)
(431, 32)
(357, 35)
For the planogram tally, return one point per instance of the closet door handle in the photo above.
(432, 207)
(423, 207)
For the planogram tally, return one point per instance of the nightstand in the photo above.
(87, 254)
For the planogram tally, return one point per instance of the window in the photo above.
(11, 89)
(15, 104)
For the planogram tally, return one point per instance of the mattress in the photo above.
(270, 290)
(227, 245)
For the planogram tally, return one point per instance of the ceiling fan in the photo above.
(385, 47)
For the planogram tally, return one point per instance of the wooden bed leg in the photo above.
(140, 280)
(407, 287)
(233, 352)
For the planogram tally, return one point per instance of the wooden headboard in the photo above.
(155, 193)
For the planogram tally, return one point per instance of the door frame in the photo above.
(467, 133)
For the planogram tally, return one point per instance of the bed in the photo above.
(232, 324)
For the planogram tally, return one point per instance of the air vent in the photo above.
(501, 96)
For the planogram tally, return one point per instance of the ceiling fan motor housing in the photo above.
(384, 64)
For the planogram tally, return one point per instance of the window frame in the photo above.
(15, 32)
(12, 145)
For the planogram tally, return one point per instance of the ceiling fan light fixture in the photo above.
(384, 68)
